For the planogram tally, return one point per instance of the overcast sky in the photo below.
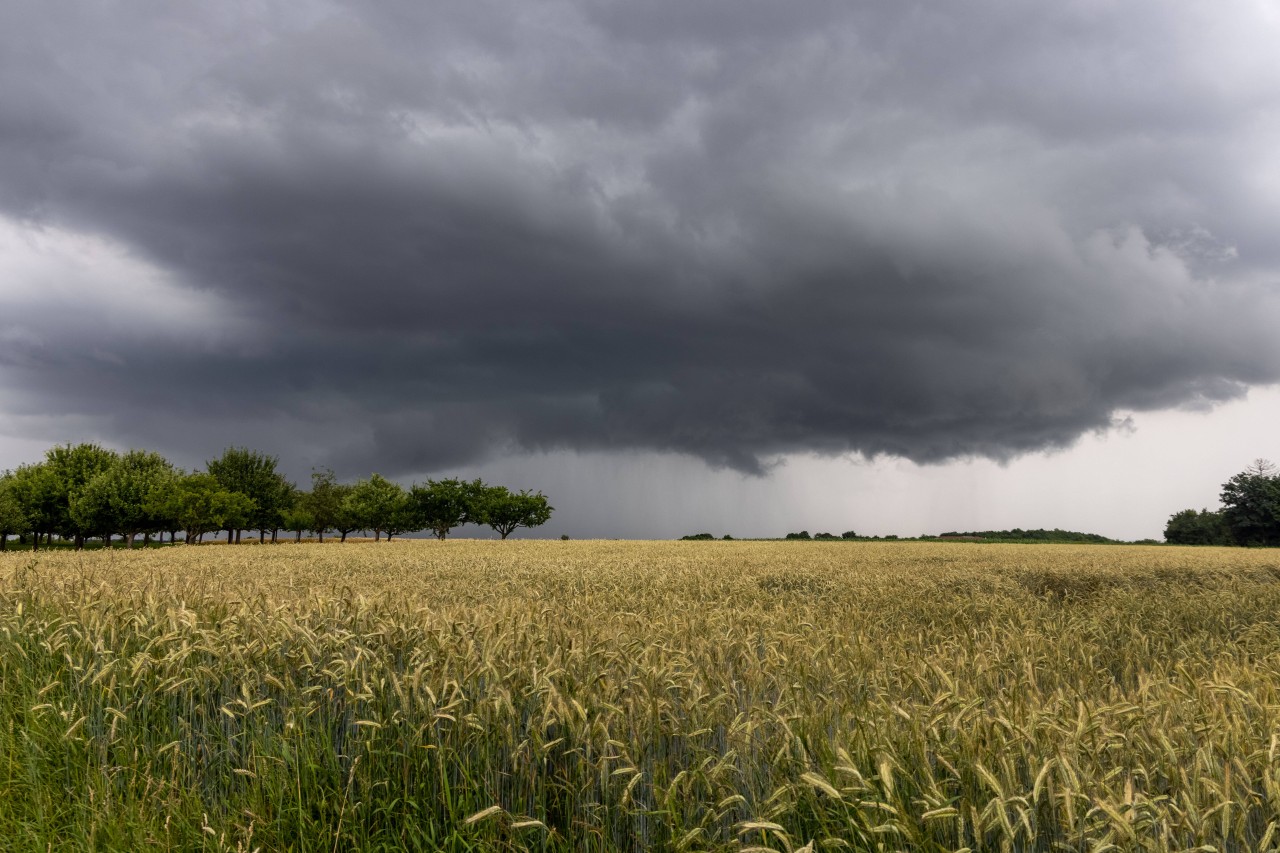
(734, 265)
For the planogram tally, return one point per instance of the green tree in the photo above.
(199, 504)
(12, 518)
(506, 511)
(442, 505)
(298, 518)
(378, 503)
(1251, 505)
(254, 475)
(404, 519)
(288, 499)
(127, 498)
(35, 489)
(72, 467)
(324, 502)
(347, 516)
(1204, 527)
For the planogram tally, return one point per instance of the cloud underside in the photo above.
(412, 241)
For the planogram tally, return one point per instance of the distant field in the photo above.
(467, 695)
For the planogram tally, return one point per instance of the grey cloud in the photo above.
(426, 235)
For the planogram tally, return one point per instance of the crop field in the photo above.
(467, 695)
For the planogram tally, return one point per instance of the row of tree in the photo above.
(1250, 513)
(86, 491)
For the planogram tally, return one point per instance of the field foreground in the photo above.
(641, 696)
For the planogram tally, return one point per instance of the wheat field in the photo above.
(726, 696)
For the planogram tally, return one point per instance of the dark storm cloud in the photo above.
(410, 236)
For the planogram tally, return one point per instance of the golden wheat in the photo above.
(623, 695)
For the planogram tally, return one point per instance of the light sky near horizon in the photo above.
(1123, 483)
(730, 266)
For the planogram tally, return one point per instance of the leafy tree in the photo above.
(506, 511)
(72, 467)
(254, 475)
(276, 520)
(324, 502)
(199, 504)
(35, 489)
(378, 503)
(1190, 527)
(442, 505)
(404, 519)
(849, 534)
(803, 534)
(347, 516)
(12, 518)
(298, 518)
(1251, 505)
(128, 498)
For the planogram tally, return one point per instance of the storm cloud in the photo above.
(407, 236)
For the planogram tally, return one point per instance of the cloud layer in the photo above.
(409, 237)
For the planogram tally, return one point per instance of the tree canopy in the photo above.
(12, 517)
(129, 497)
(199, 504)
(1202, 527)
(84, 491)
(505, 511)
(379, 505)
(1250, 513)
(254, 475)
(442, 505)
(1251, 505)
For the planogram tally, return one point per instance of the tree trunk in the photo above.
(344, 536)
(276, 530)
(200, 539)
(298, 538)
(146, 539)
(238, 532)
(321, 533)
(35, 542)
(377, 535)
(128, 540)
(4, 542)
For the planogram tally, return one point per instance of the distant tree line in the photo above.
(803, 534)
(1017, 534)
(1250, 513)
(86, 491)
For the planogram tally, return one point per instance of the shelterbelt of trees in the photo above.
(1250, 513)
(86, 491)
